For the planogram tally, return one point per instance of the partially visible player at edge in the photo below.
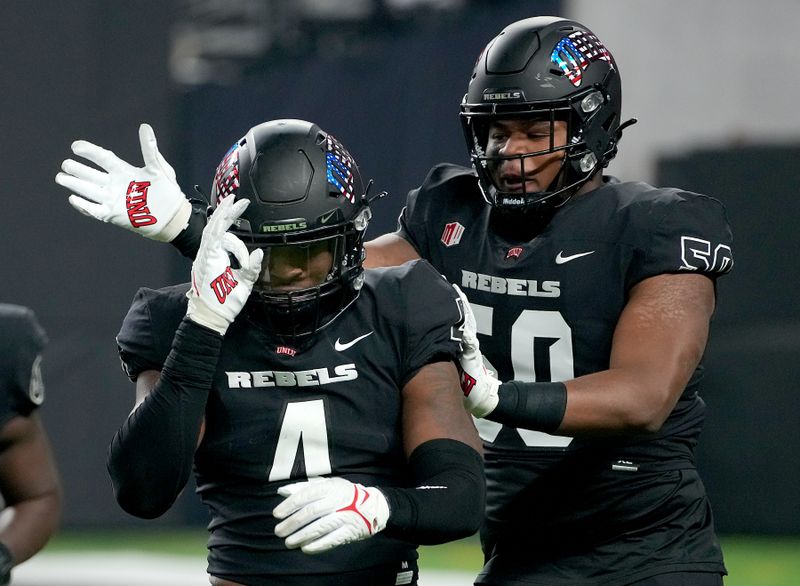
(592, 301)
(318, 403)
(29, 484)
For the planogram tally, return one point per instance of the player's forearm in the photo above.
(31, 523)
(150, 458)
(447, 501)
(608, 402)
(618, 401)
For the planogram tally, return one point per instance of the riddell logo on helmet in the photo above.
(500, 95)
(136, 204)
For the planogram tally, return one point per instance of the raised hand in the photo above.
(146, 200)
(219, 292)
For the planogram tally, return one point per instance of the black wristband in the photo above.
(448, 498)
(6, 563)
(188, 240)
(536, 406)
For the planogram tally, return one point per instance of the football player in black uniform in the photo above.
(318, 403)
(29, 482)
(592, 300)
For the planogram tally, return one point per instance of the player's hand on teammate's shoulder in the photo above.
(145, 200)
(218, 292)
(322, 513)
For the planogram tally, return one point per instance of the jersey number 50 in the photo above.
(541, 351)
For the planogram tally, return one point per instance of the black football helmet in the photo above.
(305, 193)
(545, 68)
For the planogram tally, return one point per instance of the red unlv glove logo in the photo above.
(467, 383)
(136, 203)
(224, 284)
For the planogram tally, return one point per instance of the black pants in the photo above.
(405, 574)
(682, 579)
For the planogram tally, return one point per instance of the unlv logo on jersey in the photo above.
(452, 234)
(224, 284)
(514, 252)
(696, 254)
(136, 204)
(285, 350)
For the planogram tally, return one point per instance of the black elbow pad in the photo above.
(448, 498)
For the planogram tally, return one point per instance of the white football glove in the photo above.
(323, 513)
(478, 383)
(219, 292)
(145, 200)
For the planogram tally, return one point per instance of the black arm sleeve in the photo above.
(448, 500)
(188, 241)
(151, 456)
(537, 406)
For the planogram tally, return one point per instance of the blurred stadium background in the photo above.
(714, 85)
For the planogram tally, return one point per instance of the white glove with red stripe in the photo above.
(323, 513)
(146, 200)
(478, 383)
(219, 292)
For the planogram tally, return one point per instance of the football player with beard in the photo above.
(29, 482)
(591, 301)
(318, 403)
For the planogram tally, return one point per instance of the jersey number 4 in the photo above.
(303, 425)
(541, 351)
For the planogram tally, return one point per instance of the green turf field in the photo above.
(751, 560)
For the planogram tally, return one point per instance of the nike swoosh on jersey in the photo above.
(339, 346)
(560, 259)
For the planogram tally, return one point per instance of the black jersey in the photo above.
(277, 414)
(546, 310)
(21, 345)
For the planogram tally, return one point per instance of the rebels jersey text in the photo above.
(21, 345)
(546, 310)
(279, 414)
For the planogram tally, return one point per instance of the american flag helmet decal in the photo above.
(339, 166)
(574, 53)
(226, 178)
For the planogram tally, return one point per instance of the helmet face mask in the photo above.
(544, 69)
(308, 212)
(312, 258)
